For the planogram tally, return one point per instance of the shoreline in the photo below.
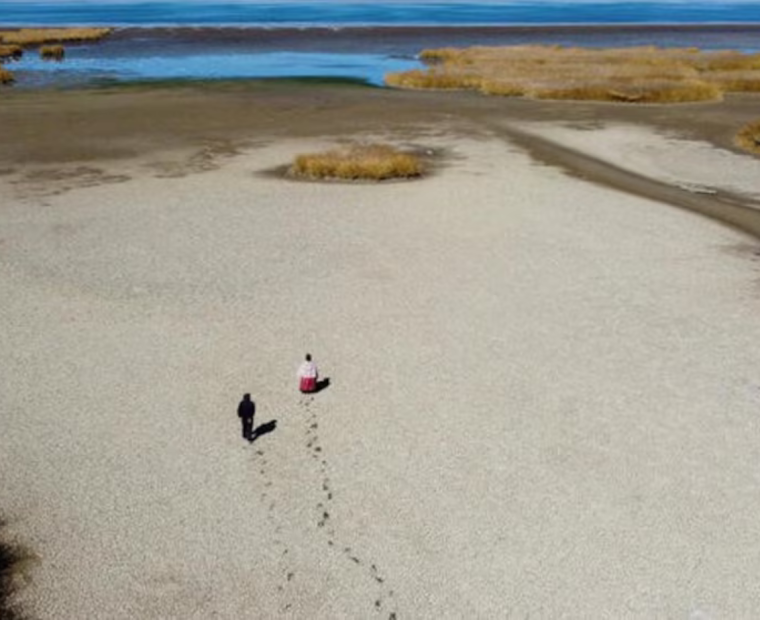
(723, 205)
(368, 53)
(281, 109)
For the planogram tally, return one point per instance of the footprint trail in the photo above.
(384, 601)
(285, 567)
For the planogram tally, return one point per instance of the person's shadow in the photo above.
(322, 384)
(263, 429)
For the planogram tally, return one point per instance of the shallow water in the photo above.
(83, 66)
(364, 54)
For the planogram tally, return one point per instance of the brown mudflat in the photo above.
(87, 125)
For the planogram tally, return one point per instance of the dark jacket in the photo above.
(246, 409)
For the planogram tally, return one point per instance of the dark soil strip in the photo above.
(721, 206)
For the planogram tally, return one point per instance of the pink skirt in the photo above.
(308, 384)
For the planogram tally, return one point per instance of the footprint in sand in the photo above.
(326, 525)
(324, 517)
(277, 541)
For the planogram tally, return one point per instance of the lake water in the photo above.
(365, 12)
(360, 40)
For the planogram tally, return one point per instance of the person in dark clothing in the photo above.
(246, 411)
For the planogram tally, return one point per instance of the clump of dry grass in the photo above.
(52, 52)
(375, 162)
(434, 80)
(634, 92)
(39, 36)
(631, 75)
(6, 77)
(741, 81)
(11, 52)
(748, 137)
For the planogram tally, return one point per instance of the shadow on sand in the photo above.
(322, 384)
(263, 429)
(10, 558)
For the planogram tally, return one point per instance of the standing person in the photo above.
(246, 411)
(307, 375)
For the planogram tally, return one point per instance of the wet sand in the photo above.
(207, 120)
(125, 121)
(542, 401)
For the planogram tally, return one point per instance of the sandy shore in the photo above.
(543, 397)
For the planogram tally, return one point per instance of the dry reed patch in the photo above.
(11, 52)
(52, 52)
(632, 75)
(39, 36)
(632, 92)
(433, 80)
(748, 137)
(6, 77)
(371, 162)
(741, 81)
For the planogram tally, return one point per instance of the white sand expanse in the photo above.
(544, 402)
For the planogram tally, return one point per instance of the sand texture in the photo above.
(544, 398)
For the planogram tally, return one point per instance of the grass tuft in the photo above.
(39, 36)
(52, 52)
(6, 77)
(11, 52)
(433, 80)
(741, 81)
(630, 75)
(374, 162)
(634, 93)
(748, 137)
(503, 88)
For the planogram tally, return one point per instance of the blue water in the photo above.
(346, 39)
(364, 12)
(81, 67)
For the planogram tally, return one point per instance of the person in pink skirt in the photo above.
(307, 376)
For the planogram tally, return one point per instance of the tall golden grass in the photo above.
(730, 81)
(375, 162)
(6, 77)
(632, 75)
(52, 52)
(748, 137)
(39, 36)
(11, 52)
